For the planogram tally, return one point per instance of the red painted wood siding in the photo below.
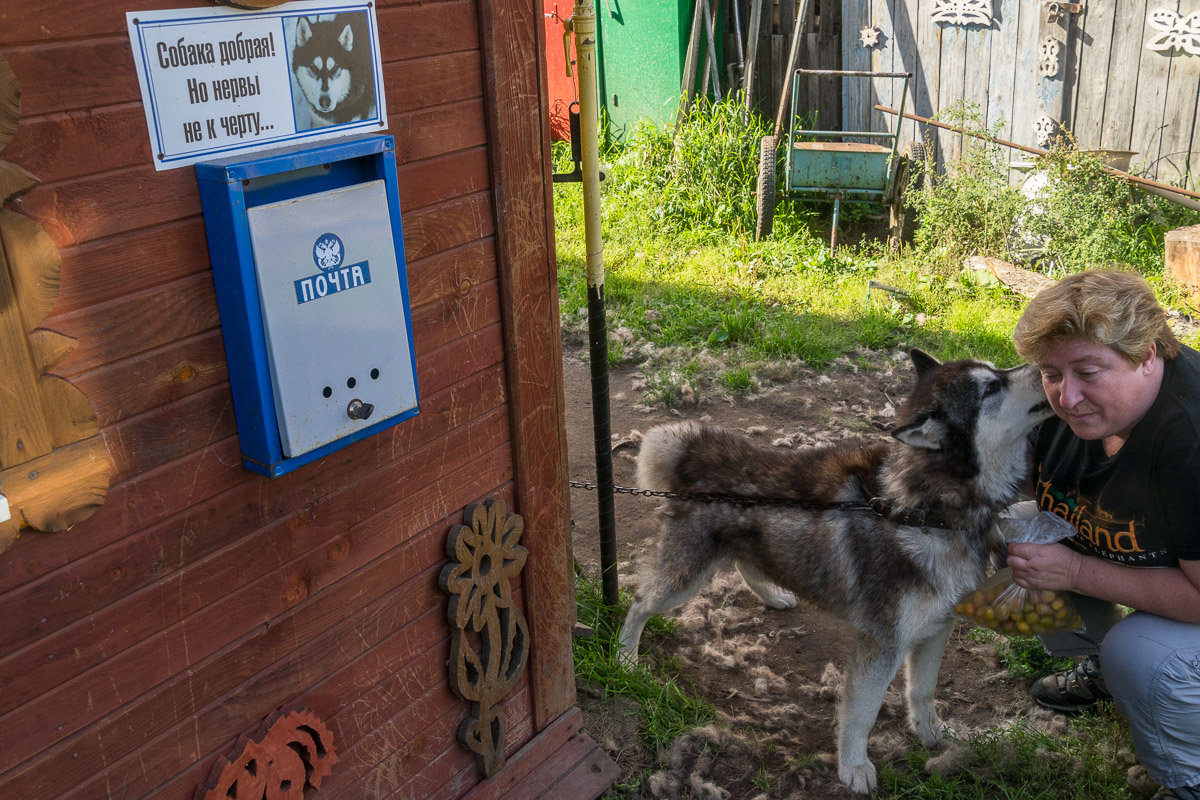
(135, 648)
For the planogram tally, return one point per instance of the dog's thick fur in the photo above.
(959, 456)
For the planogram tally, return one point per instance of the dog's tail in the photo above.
(663, 450)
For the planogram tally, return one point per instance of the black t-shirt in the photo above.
(1141, 507)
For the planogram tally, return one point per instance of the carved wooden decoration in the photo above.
(1045, 128)
(53, 464)
(489, 642)
(290, 752)
(1175, 31)
(963, 12)
(1048, 57)
(869, 36)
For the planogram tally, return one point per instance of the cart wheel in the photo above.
(901, 221)
(765, 204)
(915, 153)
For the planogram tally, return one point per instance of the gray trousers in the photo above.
(1151, 666)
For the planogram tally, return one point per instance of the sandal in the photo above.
(1073, 690)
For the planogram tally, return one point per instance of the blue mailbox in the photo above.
(307, 253)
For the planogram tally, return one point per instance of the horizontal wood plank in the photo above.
(453, 224)
(59, 146)
(443, 178)
(115, 137)
(113, 202)
(136, 323)
(516, 772)
(455, 771)
(58, 76)
(397, 658)
(430, 81)
(456, 271)
(74, 75)
(101, 271)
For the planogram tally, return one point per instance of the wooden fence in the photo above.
(1119, 76)
(1108, 74)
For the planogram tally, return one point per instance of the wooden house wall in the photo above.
(1111, 91)
(135, 648)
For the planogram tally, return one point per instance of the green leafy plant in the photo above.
(666, 708)
(1087, 761)
(698, 176)
(970, 207)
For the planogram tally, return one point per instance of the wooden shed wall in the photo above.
(136, 647)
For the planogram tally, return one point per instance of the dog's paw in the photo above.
(859, 777)
(931, 731)
(627, 657)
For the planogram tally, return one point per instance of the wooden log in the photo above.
(1183, 255)
(1024, 282)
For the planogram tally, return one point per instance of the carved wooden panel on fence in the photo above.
(53, 464)
(288, 753)
(489, 642)
(1120, 76)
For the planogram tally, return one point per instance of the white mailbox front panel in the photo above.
(333, 313)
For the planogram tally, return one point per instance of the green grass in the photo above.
(1088, 761)
(666, 708)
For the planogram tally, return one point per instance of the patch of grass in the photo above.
(1023, 656)
(1086, 762)
(667, 709)
(737, 380)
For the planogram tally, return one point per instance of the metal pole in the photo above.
(584, 23)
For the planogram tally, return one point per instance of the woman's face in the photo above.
(1096, 390)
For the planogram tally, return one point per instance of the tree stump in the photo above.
(1183, 256)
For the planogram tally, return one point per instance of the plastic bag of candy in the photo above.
(1003, 606)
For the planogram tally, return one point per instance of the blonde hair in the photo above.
(1108, 307)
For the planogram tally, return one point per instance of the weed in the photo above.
(762, 780)
(737, 380)
(1087, 761)
(667, 710)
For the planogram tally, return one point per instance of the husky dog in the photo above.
(331, 62)
(887, 536)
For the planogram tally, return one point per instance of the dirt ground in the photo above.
(773, 676)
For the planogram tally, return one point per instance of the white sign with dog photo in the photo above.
(217, 81)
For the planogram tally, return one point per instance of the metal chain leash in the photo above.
(878, 505)
(740, 500)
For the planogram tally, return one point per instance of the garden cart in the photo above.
(841, 166)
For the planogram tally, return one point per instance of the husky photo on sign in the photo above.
(333, 78)
(885, 536)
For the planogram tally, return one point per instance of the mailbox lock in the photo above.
(357, 409)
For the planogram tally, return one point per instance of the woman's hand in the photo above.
(1044, 566)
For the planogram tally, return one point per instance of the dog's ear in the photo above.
(922, 361)
(303, 31)
(926, 434)
(346, 39)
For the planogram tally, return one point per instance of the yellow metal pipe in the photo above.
(583, 20)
